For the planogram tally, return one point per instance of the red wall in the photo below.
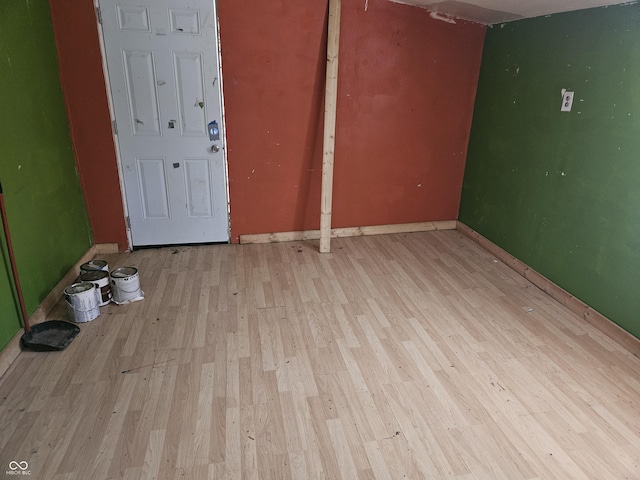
(273, 68)
(83, 84)
(406, 90)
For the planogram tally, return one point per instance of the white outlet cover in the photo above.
(567, 101)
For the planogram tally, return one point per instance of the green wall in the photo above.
(561, 191)
(47, 216)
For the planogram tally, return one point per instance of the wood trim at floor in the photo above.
(577, 306)
(13, 348)
(348, 232)
(106, 248)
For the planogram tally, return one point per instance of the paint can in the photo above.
(83, 301)
(125, 285)
(100, 279)
(93, 265)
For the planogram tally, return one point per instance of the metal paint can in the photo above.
(92, 265)
(125, 285)
(83, 302)
(100, 279)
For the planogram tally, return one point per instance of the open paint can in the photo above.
(94, 265)
(83, 302)
(125, 285)
(100, 279)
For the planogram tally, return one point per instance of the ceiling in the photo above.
(489, 12)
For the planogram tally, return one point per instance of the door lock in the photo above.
(214, 148)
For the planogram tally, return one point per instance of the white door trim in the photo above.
(112, 116)
(223, 131)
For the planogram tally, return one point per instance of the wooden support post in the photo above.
(333, 44)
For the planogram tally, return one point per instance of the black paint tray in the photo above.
(50, 335)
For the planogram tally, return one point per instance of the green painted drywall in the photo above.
(47, 216)
(561, 191)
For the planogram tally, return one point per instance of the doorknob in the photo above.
(215, 148)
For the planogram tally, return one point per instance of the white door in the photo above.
(162, 60)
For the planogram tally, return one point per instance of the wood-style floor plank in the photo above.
(413, 356)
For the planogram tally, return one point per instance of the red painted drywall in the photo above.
(406, 89)
(273, 69)
(83, 84)
(405, 99)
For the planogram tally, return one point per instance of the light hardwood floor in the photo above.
(412, 356)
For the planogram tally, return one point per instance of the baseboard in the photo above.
(106, 248)
(348, 232)
(577, 306)
(13, 348)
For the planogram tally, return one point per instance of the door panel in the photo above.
(186, 22)
(141, 92)
(190, 86)
(133, 18)
(153, 188)
(162, 60)
(198, 188)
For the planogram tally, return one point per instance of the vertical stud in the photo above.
(333, 43)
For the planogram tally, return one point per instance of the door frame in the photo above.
(116, 143)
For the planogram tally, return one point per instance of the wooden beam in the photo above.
(348, 232)
(330, 101)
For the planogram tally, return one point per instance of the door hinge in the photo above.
(99, 15)
(128, 223)
(114, 125)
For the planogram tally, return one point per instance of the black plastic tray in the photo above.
(50, 335)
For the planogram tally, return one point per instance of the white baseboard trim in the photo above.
(13, 348)
(348, 232)
(591, 316)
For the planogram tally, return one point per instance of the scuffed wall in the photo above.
(405, 98)
(83, 83)
(45, 208)
(559, 190)
(406, 89)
